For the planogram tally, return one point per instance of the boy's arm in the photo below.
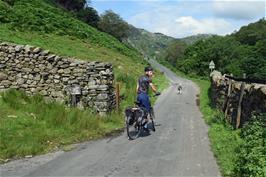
(153, 87)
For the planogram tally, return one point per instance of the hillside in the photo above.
(160, 45)
(147, 43)
(46, 17)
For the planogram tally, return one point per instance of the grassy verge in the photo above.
(224, 139)
(30, 125)
(160, 82)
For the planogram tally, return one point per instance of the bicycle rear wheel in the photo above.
(133, 128)
(152, 116)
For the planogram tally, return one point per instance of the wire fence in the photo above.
(247, 80)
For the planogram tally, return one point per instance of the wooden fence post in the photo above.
(117, 95)
(239, 109)
(226, 105)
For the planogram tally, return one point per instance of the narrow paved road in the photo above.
(179, 147)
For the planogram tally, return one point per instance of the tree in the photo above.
(114, 25)
(89, 15)
(252, 33)
(174, 51)
(9, 2)
(4, 12)
(254, 64)
(74, 5)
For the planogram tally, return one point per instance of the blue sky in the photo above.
(180, 18)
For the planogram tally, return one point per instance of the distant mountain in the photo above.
(147, 43)
(194, 38)
(155, 44)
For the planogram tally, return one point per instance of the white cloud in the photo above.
(180, 19)
(244, 10)
(172, 23)
(189, 26)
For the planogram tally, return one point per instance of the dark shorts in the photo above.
(144, 101)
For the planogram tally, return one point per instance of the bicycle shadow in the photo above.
(146, 133)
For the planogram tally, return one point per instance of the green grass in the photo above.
(30, 125)
(160, 82)
(224, 139)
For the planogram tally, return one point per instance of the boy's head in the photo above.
(148, 71)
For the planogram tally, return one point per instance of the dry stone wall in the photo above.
(226, 94)
(38, 71)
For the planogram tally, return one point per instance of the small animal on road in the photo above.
(179, 89)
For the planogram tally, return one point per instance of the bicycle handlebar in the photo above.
(156, 94)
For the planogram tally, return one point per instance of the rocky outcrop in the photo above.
(226, 95)
(38, 71)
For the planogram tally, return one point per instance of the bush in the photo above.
(252, 153)
(10, 2)
(114, 25)
(4, 11)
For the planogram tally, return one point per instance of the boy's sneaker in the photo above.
(145, 128)
(146, 125)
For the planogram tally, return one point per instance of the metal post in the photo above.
(75, 91)
(73, 100)
(211, 66)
